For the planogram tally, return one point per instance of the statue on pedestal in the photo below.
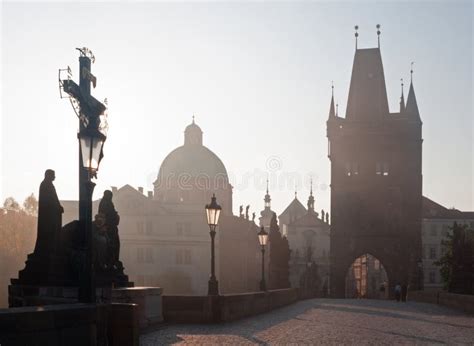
(112, 220)
(49, 216)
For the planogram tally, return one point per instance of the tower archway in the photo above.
(367, 277)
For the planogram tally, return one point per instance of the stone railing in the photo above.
(452, 300)
(223, 308)
(70, 324)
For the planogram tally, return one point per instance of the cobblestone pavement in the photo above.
(330, 321)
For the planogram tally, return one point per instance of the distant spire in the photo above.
(411, 108)
(267, 198)
(378, 34)
(402, 99)
(193, 118)
(337, 109)
(332, 113)
(356, 34)
(296, 191)
(311, 198)
(411, 71)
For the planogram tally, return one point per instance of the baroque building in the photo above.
(164, 234)
(308, 236)
(376, 177)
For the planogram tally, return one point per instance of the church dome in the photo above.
(192, 159)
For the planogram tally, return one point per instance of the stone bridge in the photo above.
(330, 321)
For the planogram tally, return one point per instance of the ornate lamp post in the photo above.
(213, 211)
(91, 142)
(262, 239)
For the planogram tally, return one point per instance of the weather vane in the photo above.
(378, 34)
(356, 33)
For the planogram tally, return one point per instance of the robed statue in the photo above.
(112, 220)
(49, 216)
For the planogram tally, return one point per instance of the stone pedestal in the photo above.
(149, 303)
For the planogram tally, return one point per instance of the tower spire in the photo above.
(402, 99)
(411, 108)
(332, 113)
(267, 198)
(378, 34)
(311, 198)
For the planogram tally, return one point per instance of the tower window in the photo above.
(382, 168)
(352, 169)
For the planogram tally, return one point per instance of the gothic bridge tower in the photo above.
(376, 178)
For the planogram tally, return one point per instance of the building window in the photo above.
(433, 230)
(183, 228)
(187, 228)
(149, 227)
(179, 256)
(352, 169)
(445, 231)
(424, 251)
(149, 255)
(187, 256)
(140, 227)
(432, 277)
(183, 256)
(432, 252)
(382, 168)
(140, 257)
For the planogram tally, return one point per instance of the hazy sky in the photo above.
(257, 76)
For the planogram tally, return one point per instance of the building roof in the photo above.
(433, 210)
(367, 94)
(294, 206)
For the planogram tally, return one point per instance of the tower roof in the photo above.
(332, 112)
(367, 94)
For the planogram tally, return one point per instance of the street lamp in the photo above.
(213, 211)
(91, 141)
(262, 239)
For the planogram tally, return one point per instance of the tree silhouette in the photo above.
(11, 204)
(30, 205)
(457, 263)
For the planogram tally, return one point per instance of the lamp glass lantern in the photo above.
(213, 211)
(91, 141)
(262, 237)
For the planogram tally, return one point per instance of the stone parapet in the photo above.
(224, 308)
